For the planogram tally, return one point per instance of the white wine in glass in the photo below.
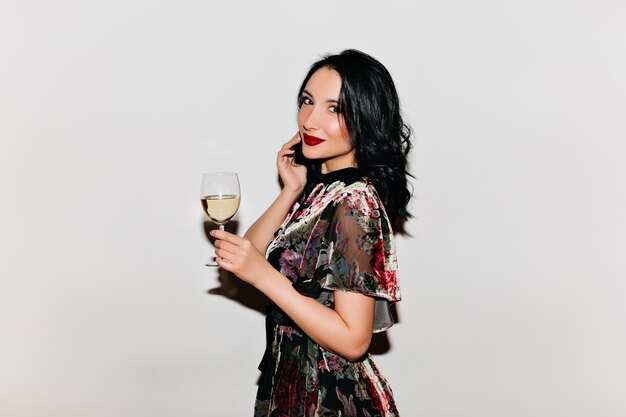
(220, 196)
(220, 209)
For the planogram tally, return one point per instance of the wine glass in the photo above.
(220, 195)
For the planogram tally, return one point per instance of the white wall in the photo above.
(512, 271)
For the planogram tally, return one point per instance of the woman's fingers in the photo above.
(222, 254)
(224, 263)
(227, 252)
(226, 246)
(231, 247)
(224, 235)
(238, 255)
(285, 153)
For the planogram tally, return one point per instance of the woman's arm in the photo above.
(262, 231)
(346, 330)
(294, 180)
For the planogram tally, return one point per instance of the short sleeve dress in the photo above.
(338, 239)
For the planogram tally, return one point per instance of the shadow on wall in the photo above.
(232, 287)
(245, 294)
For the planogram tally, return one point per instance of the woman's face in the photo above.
(322, 127)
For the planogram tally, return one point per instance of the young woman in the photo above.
(331, 262)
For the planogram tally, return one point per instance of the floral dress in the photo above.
(338, 239)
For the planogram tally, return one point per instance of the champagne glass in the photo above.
(220, 197)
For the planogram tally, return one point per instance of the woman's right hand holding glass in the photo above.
(292, 175)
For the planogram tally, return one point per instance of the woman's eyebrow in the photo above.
(330, 100)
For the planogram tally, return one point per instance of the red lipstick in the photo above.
(312, 140)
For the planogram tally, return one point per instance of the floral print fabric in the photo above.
(337, 239)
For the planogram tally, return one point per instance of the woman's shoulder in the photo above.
(349, 189)
(358, 192)
(361, 202)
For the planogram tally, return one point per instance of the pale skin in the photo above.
(346, 329)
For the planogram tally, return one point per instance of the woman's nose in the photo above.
(310, 121)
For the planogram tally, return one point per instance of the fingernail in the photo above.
(211, 232)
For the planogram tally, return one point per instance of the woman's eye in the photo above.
(305, 100)
(334, 109)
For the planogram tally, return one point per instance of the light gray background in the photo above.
(512, 271)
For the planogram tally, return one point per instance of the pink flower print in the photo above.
(361, 391)
(332, 363)
(290, 264)
(386, 278)
(363, 244)
(289, 331)
(312, 250)
(314, 193)
(290, 384)
(371, 202)
(348, 404)
(353, 279)
(360, 204)
(379, 403)
(341, 241)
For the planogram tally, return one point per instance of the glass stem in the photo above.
(221, 227)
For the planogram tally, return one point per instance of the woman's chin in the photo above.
(310, 153)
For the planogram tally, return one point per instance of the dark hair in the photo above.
(371, 109)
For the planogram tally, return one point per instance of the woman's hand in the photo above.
(293, 176)
(239, 256)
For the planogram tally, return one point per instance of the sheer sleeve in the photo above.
(360, 252)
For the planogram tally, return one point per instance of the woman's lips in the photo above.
(312, 140)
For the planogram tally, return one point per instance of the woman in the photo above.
(331, 261)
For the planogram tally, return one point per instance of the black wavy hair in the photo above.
(370, 107)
